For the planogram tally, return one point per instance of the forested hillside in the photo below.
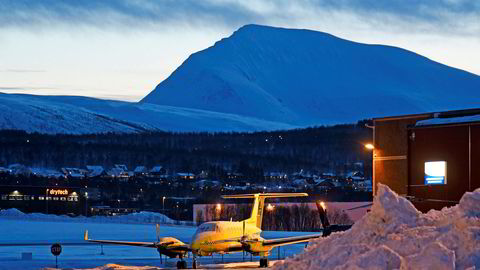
(332, 149)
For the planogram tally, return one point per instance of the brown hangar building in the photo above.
(432, 158)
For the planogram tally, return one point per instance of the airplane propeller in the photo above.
(157, 230)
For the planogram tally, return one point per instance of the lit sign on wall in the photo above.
(58, 192)
(435, 173)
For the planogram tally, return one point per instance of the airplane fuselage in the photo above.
(222, 237)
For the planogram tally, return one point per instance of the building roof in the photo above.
(447, 121)
(442, 114)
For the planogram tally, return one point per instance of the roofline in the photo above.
(442, 114)
(453, 124)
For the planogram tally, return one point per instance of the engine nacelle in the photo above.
(171, 247)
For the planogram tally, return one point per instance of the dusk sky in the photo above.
(123, 49)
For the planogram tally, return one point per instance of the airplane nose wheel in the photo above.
(263, 262)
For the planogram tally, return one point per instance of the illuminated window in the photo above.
(41, 198)
(5, 197)
(63, 199)
(55, 198)
(435, 173)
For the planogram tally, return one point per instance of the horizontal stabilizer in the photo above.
(265, 195)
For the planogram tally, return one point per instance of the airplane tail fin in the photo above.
(85, 235)
(259, 202)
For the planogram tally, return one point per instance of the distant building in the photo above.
(74, 172)
(275, 176)
(185, 176)
(122, 167)
(158, 171)
(95, 171)
(140, 171)
(118, 172)
(50, 173)
(57, 200)
(19, 169)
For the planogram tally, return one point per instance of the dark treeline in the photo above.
(301, 217)
(317, 148)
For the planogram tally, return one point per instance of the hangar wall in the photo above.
(402, 147)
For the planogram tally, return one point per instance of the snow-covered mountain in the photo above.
(262, 78)
(305, 77)
(80, 115)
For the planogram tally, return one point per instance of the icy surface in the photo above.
(38, 235)
(305, 77)
(394, 235)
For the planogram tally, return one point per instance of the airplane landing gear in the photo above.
(263, 262)
(194, 263)
(182, 264)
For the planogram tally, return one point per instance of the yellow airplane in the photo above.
(223, 236)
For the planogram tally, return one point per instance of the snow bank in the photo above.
(395, 235)
(141, 217)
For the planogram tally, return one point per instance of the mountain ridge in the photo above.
(268, 64)
(262, 78)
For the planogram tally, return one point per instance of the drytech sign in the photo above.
(57, 192)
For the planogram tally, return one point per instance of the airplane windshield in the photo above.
(206, 227)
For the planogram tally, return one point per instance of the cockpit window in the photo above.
(207, 227)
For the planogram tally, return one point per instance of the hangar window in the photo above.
(435, 173)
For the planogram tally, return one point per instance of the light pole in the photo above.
(163, 204)
(86, 198)
(46, 199)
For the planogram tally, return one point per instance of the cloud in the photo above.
(24, 88)
(121, 13)
(16, 70)
(442, 15)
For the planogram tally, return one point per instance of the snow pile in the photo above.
(141, 217)
(395, 235)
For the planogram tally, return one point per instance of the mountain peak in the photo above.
(305, 77)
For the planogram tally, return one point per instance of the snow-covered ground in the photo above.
(41, 229)
(394, 235)
(80, 115)
(144, 217)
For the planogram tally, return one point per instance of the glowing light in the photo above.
(323, 205)
(369, 146)
(435, 172)
(219, 207)
(270, 207)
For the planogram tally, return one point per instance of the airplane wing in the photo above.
(165, 245)
(290, 240)
(124, 243)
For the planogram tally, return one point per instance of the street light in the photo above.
(86, 206)
(322, 204)
(46, 199)
(369, 146)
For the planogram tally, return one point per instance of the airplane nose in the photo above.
(196, 241)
